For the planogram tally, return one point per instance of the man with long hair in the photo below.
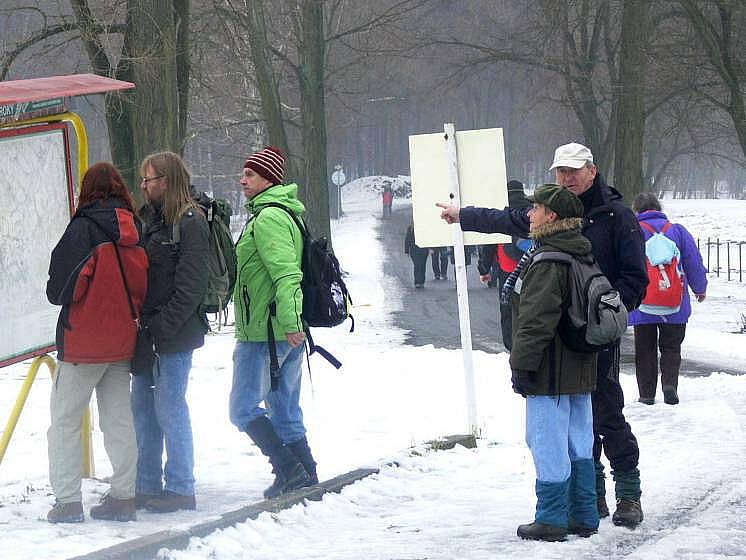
(176, 238)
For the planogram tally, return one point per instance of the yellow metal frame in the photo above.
(86, 427)
(80, 133)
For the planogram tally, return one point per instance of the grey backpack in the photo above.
(594, 317)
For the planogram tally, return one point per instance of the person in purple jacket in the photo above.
(665, 331)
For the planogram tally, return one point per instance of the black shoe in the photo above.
(542, 532)
(645, 400)
(603, 509)
(170, 502)
(418, 286)
(294, 478)
(670, 396)
(575, 528)
(71, 512)
(302, 451)
(628, 513)
(289, 472)
(114, 509)
(142, 499)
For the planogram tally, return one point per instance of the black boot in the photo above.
(290, 474)
(302, 451)
(542, 532)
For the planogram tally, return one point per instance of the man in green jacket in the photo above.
(268, 296)
(556, 381)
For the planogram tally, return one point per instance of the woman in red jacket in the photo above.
(98, 274)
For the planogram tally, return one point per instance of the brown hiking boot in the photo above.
(66, 513)
(628, 513)
(114, 509)
(170, 502)
(603, 509)
(542, 532)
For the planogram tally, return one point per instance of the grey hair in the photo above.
(646, 201)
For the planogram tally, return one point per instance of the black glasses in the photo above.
(147, 180)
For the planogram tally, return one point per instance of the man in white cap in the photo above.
(619, 248)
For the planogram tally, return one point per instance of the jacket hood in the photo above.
(564, 235)
(287, 195)
(116, 221)
(652, 215)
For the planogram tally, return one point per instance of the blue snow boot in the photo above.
(550, 523)
(582, 505)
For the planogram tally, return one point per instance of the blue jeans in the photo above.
(161, 415)
(559, 430)
(251, 387)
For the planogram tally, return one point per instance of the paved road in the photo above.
(430, 315)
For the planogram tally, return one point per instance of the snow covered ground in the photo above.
(388, 397)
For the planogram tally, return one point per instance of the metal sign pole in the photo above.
(461, 287)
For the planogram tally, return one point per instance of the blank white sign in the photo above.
(482, 178)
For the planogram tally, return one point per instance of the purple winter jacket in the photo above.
(695, 273)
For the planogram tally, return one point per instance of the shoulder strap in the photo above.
(300, 222)
(666, 227)
(650, 228)
(552, 256)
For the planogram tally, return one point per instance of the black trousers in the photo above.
(648, 339)
(611, 432)
(419, 259)
(440, 261)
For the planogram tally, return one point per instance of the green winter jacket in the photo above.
(269, 267)
(539, 359)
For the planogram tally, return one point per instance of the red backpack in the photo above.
(666, 288)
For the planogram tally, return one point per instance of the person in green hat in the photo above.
(556, 381)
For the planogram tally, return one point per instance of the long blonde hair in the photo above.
(178, 197)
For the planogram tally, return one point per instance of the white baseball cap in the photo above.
(572, 155)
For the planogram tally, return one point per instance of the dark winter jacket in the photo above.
(96, 324)
(414, 251)
(541, 363)
(695, 273)
(177, 280)
(608, 223)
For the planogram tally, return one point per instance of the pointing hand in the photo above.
(450, 213)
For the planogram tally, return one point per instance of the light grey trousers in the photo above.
(71, 393)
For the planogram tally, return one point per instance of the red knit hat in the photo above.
(269, 163)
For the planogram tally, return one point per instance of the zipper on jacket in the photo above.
(246, 303)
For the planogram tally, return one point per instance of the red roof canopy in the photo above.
(40, 89)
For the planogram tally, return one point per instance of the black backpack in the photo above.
(221, 258)
(594, 317)
(326, 300)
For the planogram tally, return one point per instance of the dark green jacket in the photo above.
(539, 359)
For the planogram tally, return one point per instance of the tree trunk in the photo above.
(311, 51)
(155, 114)
(630, 99)
(265, 79)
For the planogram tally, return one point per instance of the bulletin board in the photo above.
(36, 197)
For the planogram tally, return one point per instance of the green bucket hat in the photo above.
(558, 199)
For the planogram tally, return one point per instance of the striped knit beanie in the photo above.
(269, 163)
